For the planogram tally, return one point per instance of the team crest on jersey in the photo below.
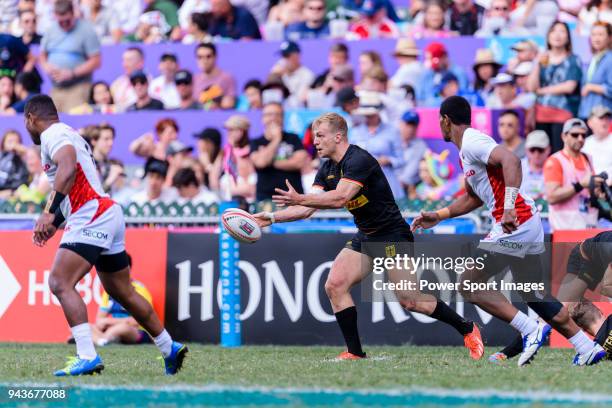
(470, 173)
(357, 202)
(390, 251)
(47, 167)
(247, 227)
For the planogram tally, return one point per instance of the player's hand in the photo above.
(44, 229)
(262, 219)
(509, 221)
(427, 219)
(286, 198)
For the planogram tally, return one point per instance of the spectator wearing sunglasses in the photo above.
(315, 25)
(497, 22)
(567, 176)
(537, 147)
(184, 85)
(140, 82)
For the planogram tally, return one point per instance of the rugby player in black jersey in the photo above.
(591, 319)
(588, 265)
(352, 178)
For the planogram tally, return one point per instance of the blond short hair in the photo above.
(336, 123)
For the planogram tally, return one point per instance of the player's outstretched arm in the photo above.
(333, 199)
(465, 204)
(293, 213)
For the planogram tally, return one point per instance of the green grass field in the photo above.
(261, 375)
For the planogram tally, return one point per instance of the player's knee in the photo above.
(335, 286)
(57, 286)
(606, 290)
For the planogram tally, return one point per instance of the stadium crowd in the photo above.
(551, 99)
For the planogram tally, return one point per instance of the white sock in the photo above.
(581, 342)
(84, 342)
(524, 323)
(164, 343)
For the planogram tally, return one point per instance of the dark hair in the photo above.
(479, 83)
(4, 136)
(568, 46)
(29, 81)
(106, 126)
(91, 92)
(214, 136)
(209, 46)
(410, 92)
(438, 3)
(253, 83)
(512, 113)
(185, 177)
(593, 3)
(201, 20)
(137, 50)
(457, 109)
(62, 7)
(585, 313)
(339, 47)
(42, 107)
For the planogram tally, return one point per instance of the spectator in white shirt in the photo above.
(122, 90)
(505, 94)
(155, 192)
(599, 144)
(296, 77)
(410, 69)
(537, 147)
(163, 87)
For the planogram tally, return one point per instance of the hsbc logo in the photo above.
(94, 234)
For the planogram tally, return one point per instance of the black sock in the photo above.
(515, 348)
(347, 319)
(447, 315)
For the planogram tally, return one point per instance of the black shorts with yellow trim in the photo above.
(385, 245)
(587, 271)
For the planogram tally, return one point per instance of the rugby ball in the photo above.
(241, 225)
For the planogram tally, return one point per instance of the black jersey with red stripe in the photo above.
(374, 206)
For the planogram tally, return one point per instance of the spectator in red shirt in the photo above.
(374, 22)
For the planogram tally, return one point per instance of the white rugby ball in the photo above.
(241, 225)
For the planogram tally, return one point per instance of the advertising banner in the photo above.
(29, 312)
(283, 296)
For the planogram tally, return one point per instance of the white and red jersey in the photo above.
(488, 181)
(87, 185)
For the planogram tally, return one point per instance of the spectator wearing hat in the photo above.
(239, 176)
(374, 22)
(526, 52)
(437, 64)
(381, 140)
(166, 130)
(277, 155)
(521, 76)
(233, 22)
(537, 148)
(184, 85)
(497, 22)
(409, 69)
(432, 24)
(70, 53)
(465, 17)
(296, 77)
(212, 86)
(177, 153)
(597, 89)
(347, 100)
(163, 87)
(509, 130)
(140, 82)
(132, 60)
(567, 175)
(155, 191)
(485, 69)
(413, 150)
(599, 144)
(210, 156)
(505, 94)
(315, 25)
(556, 82)
(189, 189)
